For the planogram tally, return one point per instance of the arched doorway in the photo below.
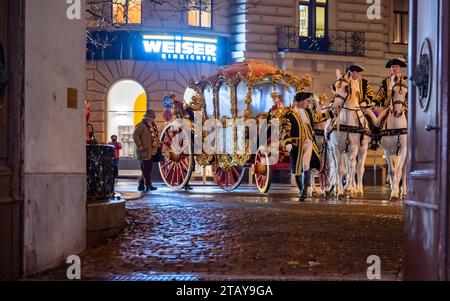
(127, 103)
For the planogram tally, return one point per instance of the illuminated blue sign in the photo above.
(185, 48)
(156, 47)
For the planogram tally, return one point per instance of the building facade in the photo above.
(320, 36)
(42, 150)
(302, 36)
(151, 67)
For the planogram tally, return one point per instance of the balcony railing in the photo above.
(335, 42)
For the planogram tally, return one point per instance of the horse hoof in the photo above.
(350, 193)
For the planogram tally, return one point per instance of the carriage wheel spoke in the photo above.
(172, 170)
(220, 176)
(167, 144)
(232, 179)
(226, 178)
(183, 164)
(235, 172)
(178, 174)
(166, 164)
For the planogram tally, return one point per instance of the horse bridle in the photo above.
(397, 101)
(348, 89)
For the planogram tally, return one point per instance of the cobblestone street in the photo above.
(208, 234)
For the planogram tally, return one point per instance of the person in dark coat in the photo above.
(384, 96)
(364, 91)
(302, 143)
(146, 138)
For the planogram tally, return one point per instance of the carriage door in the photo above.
(426, 209)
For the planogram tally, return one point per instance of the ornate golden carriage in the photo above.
(241, 91)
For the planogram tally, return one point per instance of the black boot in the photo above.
(141, 186)
(305, 185)
(299, 181)
(188, 187)
(150, 188)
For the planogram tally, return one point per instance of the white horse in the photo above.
(363, 152)
(395, 139)
(314, 189)
(347, 138)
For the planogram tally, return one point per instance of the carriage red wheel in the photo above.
(230, 179)
(262, 171)
(178, 161)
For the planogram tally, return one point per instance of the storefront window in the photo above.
(127, 104)
(313, 18)
(200, 13)
(127, 11)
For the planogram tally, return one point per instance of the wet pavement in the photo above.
(207, 234)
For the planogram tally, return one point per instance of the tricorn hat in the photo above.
(397, 62)
(302, 96)
(355, 68)
(150, 113)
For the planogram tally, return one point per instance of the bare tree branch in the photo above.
(100, 12)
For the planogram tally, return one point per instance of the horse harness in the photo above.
(361, 129)
(351, 130)
(395, 132)
(319, 133)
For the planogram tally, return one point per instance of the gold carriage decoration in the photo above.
(235, 92)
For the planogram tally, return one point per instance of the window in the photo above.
(126, 11)
(313, 18)
(208, 94)
(401, 22)
(200, 13)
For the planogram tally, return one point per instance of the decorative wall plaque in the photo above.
(72, 98)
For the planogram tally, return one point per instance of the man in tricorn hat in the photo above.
(384, 95)
(302, 145)
(146, 138)
(365, 95)
(364, 90)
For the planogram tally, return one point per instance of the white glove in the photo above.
(289, 147)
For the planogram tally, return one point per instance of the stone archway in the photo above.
(126, 105)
